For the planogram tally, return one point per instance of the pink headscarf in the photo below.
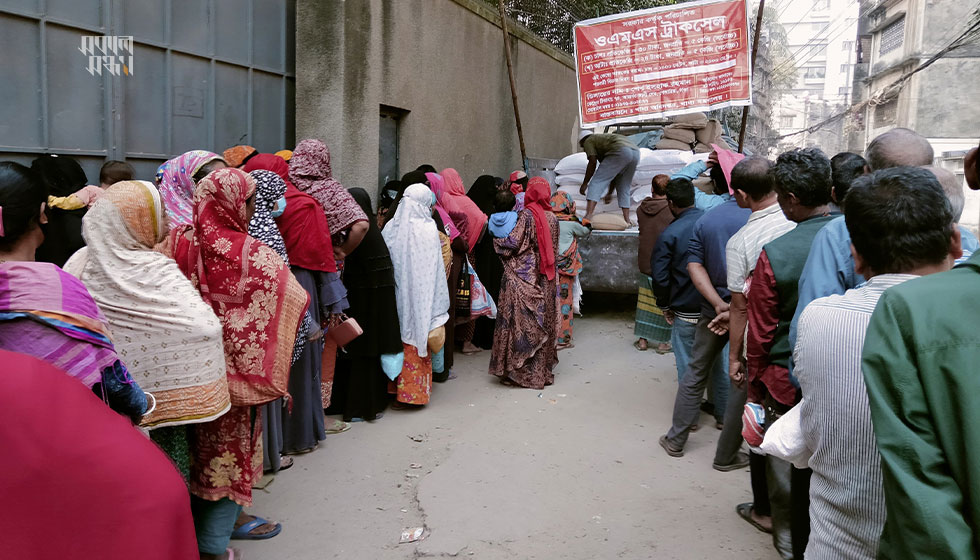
(177, 185)
(437, 185)
(309, 169)
(467, 215)
(727, 160)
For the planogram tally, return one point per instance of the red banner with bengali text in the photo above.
(663, 61)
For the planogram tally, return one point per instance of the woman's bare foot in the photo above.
(469, 348)
(641, 345)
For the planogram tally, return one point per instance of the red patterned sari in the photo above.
(260, 305)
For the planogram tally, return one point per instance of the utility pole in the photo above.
(755, 53)
(513, 85)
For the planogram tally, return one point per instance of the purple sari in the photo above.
(47, 313)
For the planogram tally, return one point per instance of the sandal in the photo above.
(285, 461)
(745, 512)
(641, 345)
(244, 532)
(338, 427)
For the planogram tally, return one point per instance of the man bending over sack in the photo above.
(612, 164)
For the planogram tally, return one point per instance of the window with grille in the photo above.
(786, 122)
(844, 68)
(893, 36)
(814, 73)
(886, 113)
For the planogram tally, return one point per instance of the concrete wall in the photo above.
(441, 60)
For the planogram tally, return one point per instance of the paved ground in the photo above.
(494, 472)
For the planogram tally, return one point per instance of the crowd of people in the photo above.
(207, 307)
(812, 299)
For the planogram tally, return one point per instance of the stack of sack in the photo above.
(570, 172)
(693, 132)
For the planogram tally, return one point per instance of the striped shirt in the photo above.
(743, 249)
(847, 503)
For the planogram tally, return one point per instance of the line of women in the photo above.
(202, 309)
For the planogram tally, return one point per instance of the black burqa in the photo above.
(63, 176)
(488, 266)
(360, 387)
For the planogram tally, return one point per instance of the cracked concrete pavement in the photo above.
(493, 472)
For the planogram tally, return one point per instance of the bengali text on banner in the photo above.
(663, 61)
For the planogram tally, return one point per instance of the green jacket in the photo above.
(921, 364)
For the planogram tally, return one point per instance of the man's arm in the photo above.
(924, 504)
(701, 280)
(660, 269)
(702, 200)
(691, 171)
(590, 171)
(738, 320)
(763, 318)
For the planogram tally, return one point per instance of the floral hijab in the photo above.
(255, 296)
(177, 184)
(309, 169)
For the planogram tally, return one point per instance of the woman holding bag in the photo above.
(307, 237)
(234, 272)
(422, 298)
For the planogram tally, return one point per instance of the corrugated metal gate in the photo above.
(206, 74)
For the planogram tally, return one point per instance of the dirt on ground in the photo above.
(495, 472)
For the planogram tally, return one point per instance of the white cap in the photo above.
(585, 132)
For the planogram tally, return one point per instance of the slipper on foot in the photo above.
(741, 461)
(745, 512)
(244, 532)
(338, 427)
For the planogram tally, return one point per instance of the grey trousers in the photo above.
(779, 475)
(618, 169)
(730, 440)
(687, 405)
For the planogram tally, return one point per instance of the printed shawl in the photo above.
(177, 185)
(422, 295)
(309, 169)
(169, 339)
(537, 201)
(464, 212)
(49, 296)
(269, 188)
(255, 296)
(303, 225)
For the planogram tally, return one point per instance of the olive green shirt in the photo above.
(921, 364)
(599, 145)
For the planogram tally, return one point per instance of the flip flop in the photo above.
(285, 462)
(338, 427)
(745, 512)
(244, 533)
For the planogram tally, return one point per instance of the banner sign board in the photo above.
(663, 61)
